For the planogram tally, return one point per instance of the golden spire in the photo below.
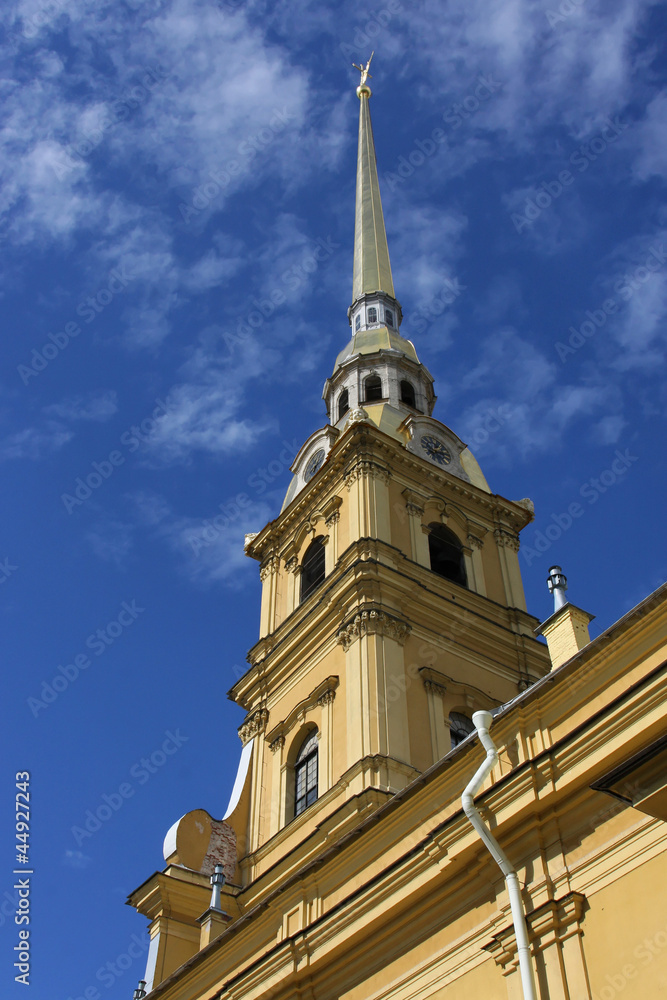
(372, 270)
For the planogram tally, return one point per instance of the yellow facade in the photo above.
(381, 887)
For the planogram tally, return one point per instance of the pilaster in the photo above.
(376, 685)
(367, 483)
(474, 565)
(268, 574)
(414, 506)
(436, 689)
(508, 548)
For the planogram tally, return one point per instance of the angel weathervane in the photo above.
(364, 70)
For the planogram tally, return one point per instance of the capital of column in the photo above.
(506, 539)
(253, 724)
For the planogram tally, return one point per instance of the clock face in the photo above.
(314, 463)
(436, 450)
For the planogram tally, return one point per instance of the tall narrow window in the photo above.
(373, 388)
(460, 726)
(305, 775)
(357, 323)
(372, 315)
(389, 317)
(312, 568)
(408, 393)
(446, 554)
(343, 403)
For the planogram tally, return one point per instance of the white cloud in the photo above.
(76, 859)
(609, 429)
(203, 409)
(425, 245)
(210, 549)
(35, 442)
(111, 540)
(531, 410)
(97, 406)
(650, 137)
(211, 270)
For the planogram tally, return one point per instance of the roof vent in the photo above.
(557, 584)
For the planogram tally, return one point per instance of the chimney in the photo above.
(566, 631)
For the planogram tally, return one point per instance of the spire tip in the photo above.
(363, 90)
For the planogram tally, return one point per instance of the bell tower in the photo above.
(392, 609)
(392, 602)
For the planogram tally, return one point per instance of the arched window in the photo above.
(408, 393)
(389, 317)
(357, 323)
(446, 554)
(460, 726)
(372, 315)
(312, 568)
(343, 403)
(305, 775)
(373, 388)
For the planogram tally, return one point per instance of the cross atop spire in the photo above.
(372, 269)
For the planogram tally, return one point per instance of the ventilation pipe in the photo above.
(482, 722)
(557, 584)
(566, 630)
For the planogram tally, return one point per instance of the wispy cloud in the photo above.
(35, 442)
(97, 406)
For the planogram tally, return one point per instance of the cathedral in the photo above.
(431, 800)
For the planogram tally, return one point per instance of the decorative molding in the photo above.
(474, 542)
(434, 681)
(356, 416)
(398, 456)
(527, 504)
(253, 724)
(415, 503)
(554, 920)
(292, 564)
(327, 513)
(332, 518)
(323, 694)
(414, 510)
(372, 621)
(506, 539)
(277, 744)
(270, 565)
(366, 467)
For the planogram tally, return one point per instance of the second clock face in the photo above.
(436, 450)
(314, 464)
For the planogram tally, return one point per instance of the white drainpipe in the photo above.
(482, 722)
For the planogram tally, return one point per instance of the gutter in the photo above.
(482, 722)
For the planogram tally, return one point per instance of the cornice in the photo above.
(354, 569)
(554, 919)
(321, 695)
(364, 442)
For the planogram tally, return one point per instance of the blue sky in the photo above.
(168, 170)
